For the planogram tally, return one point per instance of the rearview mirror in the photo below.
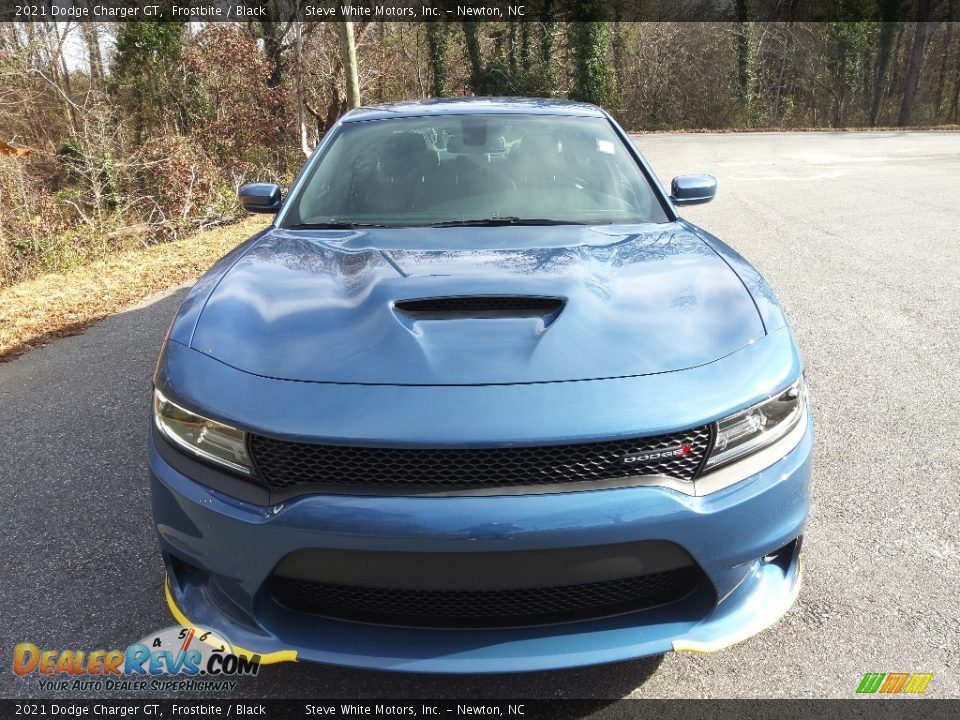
(693, 189)
(260, 197)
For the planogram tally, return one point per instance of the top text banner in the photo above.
(452, 11)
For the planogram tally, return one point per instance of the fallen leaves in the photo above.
(10, 150)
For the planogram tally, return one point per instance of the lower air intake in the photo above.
(486, 608)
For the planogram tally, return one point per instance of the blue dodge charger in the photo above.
(479, 400)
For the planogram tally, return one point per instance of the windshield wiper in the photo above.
(332, 226)
(501, 221)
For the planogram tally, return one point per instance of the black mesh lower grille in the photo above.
(282, 465)
(485, 608)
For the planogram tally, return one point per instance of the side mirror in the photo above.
(693, 189)
(260, 197)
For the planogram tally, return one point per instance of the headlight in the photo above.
(754, 428)
(200, 436)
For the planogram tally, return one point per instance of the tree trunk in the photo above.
(955, 105)
(301, 101)
(788, 35)
(59, 73)
(942, 81)
(547, 49)
(887, 36)
(437, 42)
(840, 99)
(920, 35)
(525, 45)
(890, 31)
(746, 59)
(618, 48)
(273, 33)
(91, 37)
(349, 51)
(589, 44)
(476, 61)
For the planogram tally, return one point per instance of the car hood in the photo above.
(320, 305)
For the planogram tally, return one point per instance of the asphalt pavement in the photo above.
(856, 232)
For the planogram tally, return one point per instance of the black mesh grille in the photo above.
(478, 306)
(475, 608)
(282, 465)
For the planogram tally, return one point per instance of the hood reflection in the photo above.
(317, 305)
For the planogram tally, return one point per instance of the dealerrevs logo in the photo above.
(175, 651)
(653, 455)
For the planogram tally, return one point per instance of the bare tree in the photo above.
(920, 35)
(746, 58)
(942, 80)
(91, 37)
(349, 52)
(301, 102)
(888, 31)
(955, 105)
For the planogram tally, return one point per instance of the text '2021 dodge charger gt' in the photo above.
(479, 400)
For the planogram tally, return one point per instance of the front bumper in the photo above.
(236, 546)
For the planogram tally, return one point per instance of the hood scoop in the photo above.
(460, 307)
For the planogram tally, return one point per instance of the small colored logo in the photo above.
(894, 683)
(179, 650)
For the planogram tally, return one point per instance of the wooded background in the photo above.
(120, 135)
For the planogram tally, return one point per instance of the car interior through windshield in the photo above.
(473, 169)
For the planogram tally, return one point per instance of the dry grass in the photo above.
(34, 312)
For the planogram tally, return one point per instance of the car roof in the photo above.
(473, 106)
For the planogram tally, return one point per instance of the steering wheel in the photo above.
(573, 181)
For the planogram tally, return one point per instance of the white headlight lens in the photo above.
(756, 427)
(200, 436)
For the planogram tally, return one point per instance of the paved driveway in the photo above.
(857, 232)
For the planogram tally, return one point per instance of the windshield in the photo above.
(475, 169)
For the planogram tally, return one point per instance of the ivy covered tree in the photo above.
(438, 41)
(503, 60)
(848, 41)
(589, 41)
(144, 64)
